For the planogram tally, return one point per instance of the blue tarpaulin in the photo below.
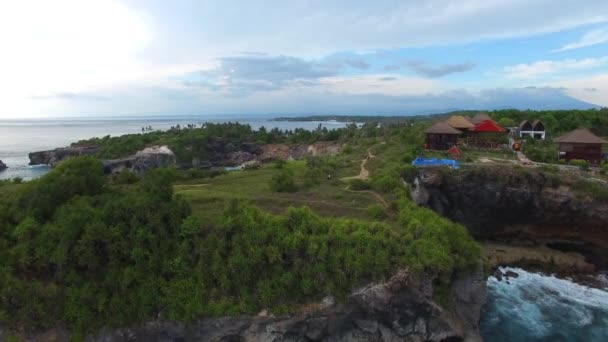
(435, 162)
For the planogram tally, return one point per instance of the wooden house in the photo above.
(487, 134)
(441, 136)
(581, 144)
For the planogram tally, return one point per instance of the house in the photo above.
(536, 129)
(581, 144)
(487, 134)
(460, 122)
(441, 136)
(480, 117)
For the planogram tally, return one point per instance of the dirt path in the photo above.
(364, 175)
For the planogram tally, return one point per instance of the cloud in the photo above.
(590, 38)
(388, 78)
(590, 89)
(70, 96)
(428, 70)
(357, 63)
(552, 68)
(390, 67)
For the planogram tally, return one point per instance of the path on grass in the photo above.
(364, 175)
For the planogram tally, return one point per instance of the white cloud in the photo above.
(550, 68)
(381, 84)
(593, 89)
(594, 37)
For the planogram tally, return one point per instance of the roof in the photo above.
(525, 125)
(459, 121)
(480, 117)
(536, 124)
(488, 126)
(581, 136)
(442, 128)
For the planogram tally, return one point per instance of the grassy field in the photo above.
(209, 197)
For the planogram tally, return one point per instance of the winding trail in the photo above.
(364, 175)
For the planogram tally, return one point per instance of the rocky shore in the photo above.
(520, 208)
(399, 309)
(221, 154)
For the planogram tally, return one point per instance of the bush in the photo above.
(548, 168)
(126, 177)
(279, 164)
(596, 189)
(283, 181)
(582, 164)
(376, 211)
(358, 184)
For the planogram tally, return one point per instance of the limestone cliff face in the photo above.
(400, 309)
(54, 157)
(527, 207)
(146, 159)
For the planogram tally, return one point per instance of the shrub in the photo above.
(358, 184)
(17, 180)
(126, 177)
(582, 164)
(376, 211)
(279, 164)
(283, 181)
(548, 168)
(596, 189)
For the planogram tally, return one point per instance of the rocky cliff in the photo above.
(400, 309)
(54, 157)
(519, 206)
(2, 166)
(146, 159)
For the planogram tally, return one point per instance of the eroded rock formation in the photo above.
(146, 159)
(56, 156)
(523, 207)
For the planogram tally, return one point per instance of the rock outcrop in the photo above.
(2, 166)
(56, 156)
(520, 207)
(400, 309)
(146, 159)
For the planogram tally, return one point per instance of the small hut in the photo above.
(581, 144)
(480, 117)
(441, 136)
(535, 129)
(487, 134)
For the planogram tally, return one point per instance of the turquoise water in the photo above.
(536, 307)
(19, 137)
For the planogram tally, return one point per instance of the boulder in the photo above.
(2, 166)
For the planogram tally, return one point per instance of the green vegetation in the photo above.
(283, 181)
(84, 250)
(592, 188)
(88, 251)
(203, 142)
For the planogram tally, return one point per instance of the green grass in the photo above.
(208, 197)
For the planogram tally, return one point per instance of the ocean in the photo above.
(21, 136)
(537, 307)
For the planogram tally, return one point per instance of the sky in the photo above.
(65, 58)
